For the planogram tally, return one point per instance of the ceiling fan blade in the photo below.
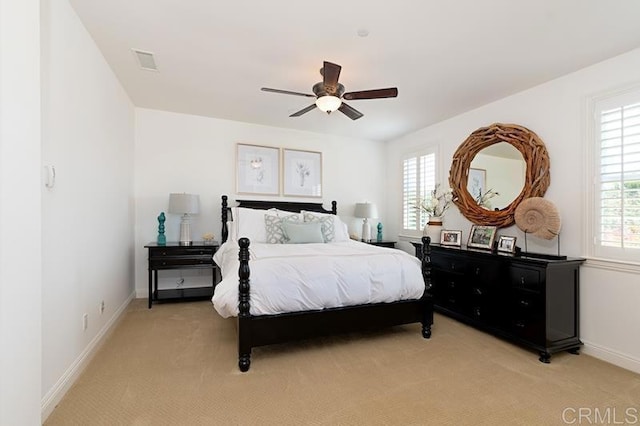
(391, 92)
(303, 111)
(287, 92)
(350, 112)
(330, 74)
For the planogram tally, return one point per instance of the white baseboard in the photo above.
(612, 357)
(57, 392)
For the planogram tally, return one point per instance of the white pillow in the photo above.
(231, 228)
(288, 215)
(303, 233)
(249, 223)
(340, 229)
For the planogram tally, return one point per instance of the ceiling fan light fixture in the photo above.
(328, 104)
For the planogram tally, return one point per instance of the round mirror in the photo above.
(496, 168)
(496, 176)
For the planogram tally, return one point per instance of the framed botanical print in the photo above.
(477, 182)
(302, 173)
(257, 169)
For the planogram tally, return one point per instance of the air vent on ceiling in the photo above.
(146, 60)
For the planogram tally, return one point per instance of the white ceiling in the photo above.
(445, 57)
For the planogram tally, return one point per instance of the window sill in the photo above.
(613, 265)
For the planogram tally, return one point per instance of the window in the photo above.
(418, 178)
(616, 173)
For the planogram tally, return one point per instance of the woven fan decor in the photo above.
(539, 217)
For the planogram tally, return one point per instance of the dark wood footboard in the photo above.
(261, 330)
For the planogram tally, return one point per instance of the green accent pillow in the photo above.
(303, 233)
(328, 225)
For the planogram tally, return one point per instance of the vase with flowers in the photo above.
(434, 206)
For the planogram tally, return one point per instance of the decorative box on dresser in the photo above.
(529, 299)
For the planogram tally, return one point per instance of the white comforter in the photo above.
(302, 277)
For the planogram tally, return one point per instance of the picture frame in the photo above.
(482, 236)
(451, 238)
(257, 169)
(302, 171)
(477, 182)
(507, 244)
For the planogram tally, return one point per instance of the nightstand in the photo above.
(383, 243)
(175, 256)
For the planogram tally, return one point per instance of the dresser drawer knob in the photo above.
(477, 271)
(452, 284)
(477, 291)
(524, 303)
(519, 324)
(522, 280)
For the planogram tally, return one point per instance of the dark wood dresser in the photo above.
(530, 299)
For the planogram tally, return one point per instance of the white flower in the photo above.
(437, 203)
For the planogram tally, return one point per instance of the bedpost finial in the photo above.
(244, 242)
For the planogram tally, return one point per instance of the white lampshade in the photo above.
(328, 103)
(365, 211)
(184, 204)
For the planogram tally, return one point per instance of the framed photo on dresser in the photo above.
(482, 236)
(451, 238)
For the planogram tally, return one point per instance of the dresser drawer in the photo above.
(448, 264)
(525, 279)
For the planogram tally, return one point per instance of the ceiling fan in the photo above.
(329, 94)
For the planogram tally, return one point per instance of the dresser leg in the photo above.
(545, 357)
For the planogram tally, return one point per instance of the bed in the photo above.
(293, 314)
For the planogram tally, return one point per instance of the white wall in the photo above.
(185, 153)
(87, 233)
(20, 241)
(556, 112)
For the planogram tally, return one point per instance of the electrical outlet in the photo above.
(85, 321)
(102, 307)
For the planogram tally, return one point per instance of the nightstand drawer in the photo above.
(180, 261)
(162, 252)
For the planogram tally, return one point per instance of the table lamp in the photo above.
(365, 211)
(184, 204)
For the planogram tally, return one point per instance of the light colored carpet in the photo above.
(176, 364)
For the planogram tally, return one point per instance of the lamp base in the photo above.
(185, 231)
(366, 231)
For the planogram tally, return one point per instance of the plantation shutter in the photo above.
(418, 177)
(618, 177)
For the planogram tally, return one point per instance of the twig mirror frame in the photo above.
(537, 177)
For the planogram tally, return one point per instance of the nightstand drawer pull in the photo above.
(524, 303)
(477, 291)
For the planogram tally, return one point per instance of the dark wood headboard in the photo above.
(290, 206)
